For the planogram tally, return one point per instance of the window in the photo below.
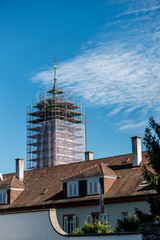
(124, 215)
(93, 186)
(144, 183)
(126, 160)
(3, 197)
(105, 218)
(72, 189)
(94, 217)
(69, 223)
(89, 219)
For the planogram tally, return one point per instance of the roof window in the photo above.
(144, 182)
(126, 160)
(44, 191)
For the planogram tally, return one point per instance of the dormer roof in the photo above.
(97, 170)
(11, 181)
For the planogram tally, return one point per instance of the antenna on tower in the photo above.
(55, 90)
(55, 67)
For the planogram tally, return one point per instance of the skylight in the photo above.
(44, 191)
(126, 160)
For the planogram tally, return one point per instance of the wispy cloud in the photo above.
(120, 70)
(141, 10)
(115, 111)
(130, 124)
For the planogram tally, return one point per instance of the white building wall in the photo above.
(114, 211)
(41, 226)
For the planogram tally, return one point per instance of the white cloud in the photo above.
(130, 124)
(120, 72)
(141, 10)
(115, 111)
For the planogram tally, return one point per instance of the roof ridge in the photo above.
(100, 164)
(12, 179)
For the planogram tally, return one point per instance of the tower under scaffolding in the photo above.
(55, 129)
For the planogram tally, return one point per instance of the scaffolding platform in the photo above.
(55, 130)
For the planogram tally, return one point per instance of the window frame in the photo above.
(124, 215)
(91, 186)
(74, 191)
(69, 223)
(92, 218)
(3, 194)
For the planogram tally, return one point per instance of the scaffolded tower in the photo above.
(55, 129)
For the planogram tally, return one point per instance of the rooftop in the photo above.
(44, 187)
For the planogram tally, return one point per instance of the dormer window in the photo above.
(72, 189)
(93, 186)
(87, 181)
(3, 196)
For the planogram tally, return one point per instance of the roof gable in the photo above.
(11, 181)
(16, 183)
(97, 170)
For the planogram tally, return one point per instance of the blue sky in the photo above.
(108, 54)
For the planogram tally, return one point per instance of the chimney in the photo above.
(19, 169)
(1, 177)
(88, 156)
(136, 151)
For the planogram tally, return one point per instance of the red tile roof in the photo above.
(129, 183)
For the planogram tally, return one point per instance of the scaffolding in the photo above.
(55, 130)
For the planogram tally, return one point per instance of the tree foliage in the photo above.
(129, 224)
(152, 143)
(96, 227)
(143, 217)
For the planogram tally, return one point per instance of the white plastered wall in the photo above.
(114, 211)
(44, 226)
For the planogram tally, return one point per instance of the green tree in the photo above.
(143, 217)
(96, 227)
(151, 172)
(129, 224)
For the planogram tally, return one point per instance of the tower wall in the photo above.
(55, 132)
